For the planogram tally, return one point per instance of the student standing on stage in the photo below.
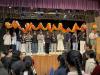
(82, 39)
(92, 37)
(13, 41)
(23, 43)
(53, 42)
(18, 43)
(47, 42)
(34, 42)
(68, 41)
(74, 41)
(60, 44)
(40, 38)
(7, 40)
(28, 42)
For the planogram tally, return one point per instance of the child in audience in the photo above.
(88, 47)
(62, 69)
(90, 63)
(29, 66)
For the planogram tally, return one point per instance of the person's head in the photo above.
(91, 54)
(40, 32)
(93, 31)
(47, 33)
(14, 33)
(34, 32)
(88, 47)
(28, 62)
(8, 53)
(61, 60)
(22, 55)
(74, 60)
(16, 56)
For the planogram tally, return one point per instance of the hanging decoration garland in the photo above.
(30, 26)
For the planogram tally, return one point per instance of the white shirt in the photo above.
(90, 65)
(40, 38)
(14, 40)
(75, 73)
(93, 36)
(7, 39)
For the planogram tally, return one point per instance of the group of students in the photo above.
(16, 63)
(75, 63)
(44, 42)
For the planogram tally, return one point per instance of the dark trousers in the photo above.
(7, 47)
(47, 47)
(13, 47)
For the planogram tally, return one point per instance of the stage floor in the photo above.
(44, 62)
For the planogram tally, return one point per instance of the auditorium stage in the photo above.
(43, 63)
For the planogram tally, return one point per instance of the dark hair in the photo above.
(91, 54)
(89, 45)
(16, 56)
(28, 62)
(74, 58)
(61, 60)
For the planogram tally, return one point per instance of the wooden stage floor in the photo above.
(43, 63)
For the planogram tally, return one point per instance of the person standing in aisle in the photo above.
(53, 42)
(47, 42)
(28, 42)
(40, 38)
(34, 42)
(7, 40)
(60, 44)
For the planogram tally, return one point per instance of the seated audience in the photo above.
(6, 60)
(17, 66)
(29, 66)
(3, 71)
(62, 70)
(90, 63)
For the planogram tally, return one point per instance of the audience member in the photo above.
(88, 47)
(74, 60)
(6, 60)
(29, 66)
(62, 69)
(17, 66)
(90, 63)
(3, 71)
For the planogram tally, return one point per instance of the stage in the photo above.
(44, 63)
